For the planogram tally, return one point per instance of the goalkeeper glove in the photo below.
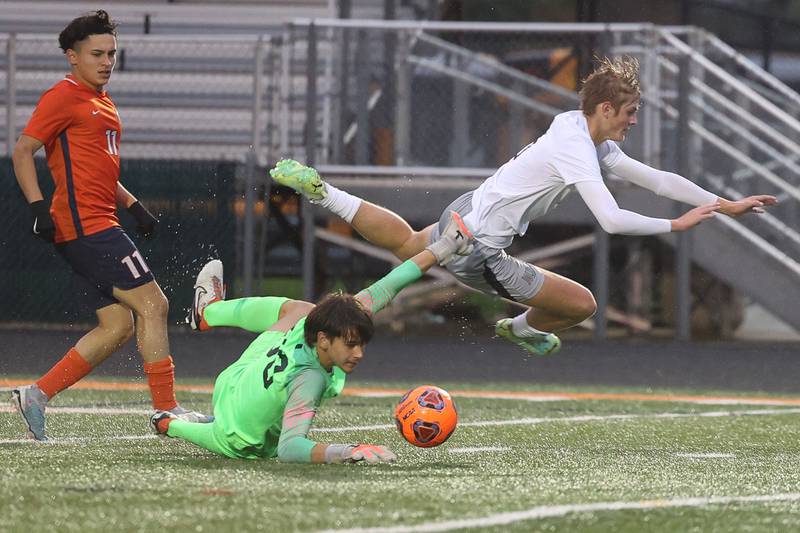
(145, 221)
(371, 453)
(43, 226)
(456, 239)
(355, 453)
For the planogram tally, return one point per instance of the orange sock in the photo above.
(69, 370)
(163, 425)
(161, 378)
(204, 326)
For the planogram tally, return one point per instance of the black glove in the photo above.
(145, 221)
(43, 226)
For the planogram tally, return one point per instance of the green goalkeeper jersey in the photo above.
(265, 402)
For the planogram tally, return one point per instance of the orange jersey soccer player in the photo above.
(78, 124)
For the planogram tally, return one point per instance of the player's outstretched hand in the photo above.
(694, 217)
(43, 226)
(145, 221)
(371, 454)
(751, 204)
(456, 239)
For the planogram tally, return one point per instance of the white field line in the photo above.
(556, 397)
(88, 410)
(479, 449)
(709, 455)
(582, 418)
(189, 390)
(551, 511)
(538, 397)
(484, 423)
(77, 440)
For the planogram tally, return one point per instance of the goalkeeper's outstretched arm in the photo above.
(294, 446)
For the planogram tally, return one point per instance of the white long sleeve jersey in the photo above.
(539, 177)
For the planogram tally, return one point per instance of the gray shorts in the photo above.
(490, 270)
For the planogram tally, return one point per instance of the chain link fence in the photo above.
(204, 115)
(394, 95)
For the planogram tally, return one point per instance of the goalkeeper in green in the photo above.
(265, 402)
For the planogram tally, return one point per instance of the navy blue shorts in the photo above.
(106, 260)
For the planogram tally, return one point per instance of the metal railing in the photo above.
(436, 95)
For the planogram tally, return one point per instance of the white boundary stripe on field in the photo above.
(551, 511)
(556, 397)
(708, 455)
(77, 440)
(512, 395)
(479, 449)
(88, 410)
(510, 422)
(583, 418)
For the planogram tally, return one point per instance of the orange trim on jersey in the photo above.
(81, 132)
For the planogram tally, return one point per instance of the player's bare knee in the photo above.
(585, 307)
(161, 306)
(156, 307)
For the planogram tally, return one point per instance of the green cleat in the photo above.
(305, 180)
(540, 344)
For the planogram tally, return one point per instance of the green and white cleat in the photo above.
(545, 344)
(305, 180)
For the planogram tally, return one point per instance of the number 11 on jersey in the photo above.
(111, 140)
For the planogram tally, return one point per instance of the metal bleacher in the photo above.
(197, 85)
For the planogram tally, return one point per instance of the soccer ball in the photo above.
(426, 416)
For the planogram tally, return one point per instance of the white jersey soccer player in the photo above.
(569, 156)
(565, 158)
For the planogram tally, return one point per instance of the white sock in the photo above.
(39, 393)
(340, 203)
(521, 328)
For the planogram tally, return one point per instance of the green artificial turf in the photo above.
(104, 472)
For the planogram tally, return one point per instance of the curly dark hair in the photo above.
(97, 23)
(339, 315)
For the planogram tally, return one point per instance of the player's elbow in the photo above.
(284, 455)
(289, 452)
(21, 153)
(610, 225)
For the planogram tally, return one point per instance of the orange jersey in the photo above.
(81, 130)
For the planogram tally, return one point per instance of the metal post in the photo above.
(285, 88)
(683, 248)
(386, 114)
(650, 113)
(275, 82)
(600, 274)
(460, 140)
(249, 223)
(516, 121)
(309, 292)
(252, 165)
(343, 120)
(258, 97)
(402, 136)
(769, 28)
(11, 91)
(344, 96)
(363, 94)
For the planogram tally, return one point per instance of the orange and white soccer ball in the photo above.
(426, 416)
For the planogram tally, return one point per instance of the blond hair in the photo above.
(613, 80)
